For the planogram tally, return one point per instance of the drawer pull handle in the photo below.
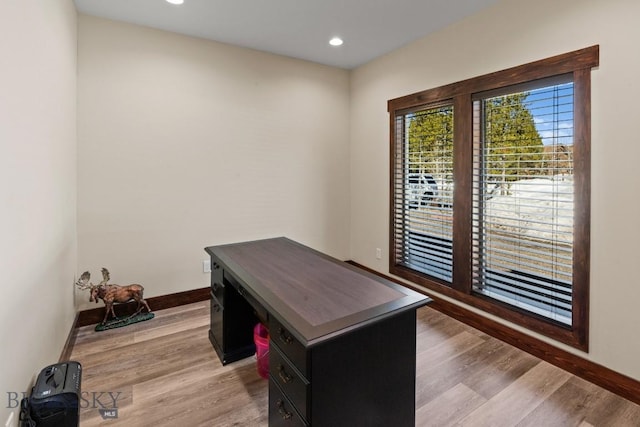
(284, 336)
(215, 287)
(216, 266)
(283, 412)
(216, 308)
(286, 378)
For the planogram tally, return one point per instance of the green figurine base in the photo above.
(119, 322)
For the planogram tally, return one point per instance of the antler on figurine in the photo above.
(83, 281)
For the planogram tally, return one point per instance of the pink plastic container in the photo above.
(261, 339)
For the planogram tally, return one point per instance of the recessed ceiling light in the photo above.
(175, 1)
(336, 41)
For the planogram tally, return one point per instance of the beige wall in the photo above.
(186, 143)
(511, 33)
(37, 187)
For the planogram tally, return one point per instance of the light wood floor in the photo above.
(167, 374)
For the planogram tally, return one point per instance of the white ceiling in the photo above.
(296, 28)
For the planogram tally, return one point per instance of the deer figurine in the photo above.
(111, 294)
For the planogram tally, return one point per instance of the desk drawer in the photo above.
(217, 290)
(290, 346)
(216, 271)
(281, 411)
(292, 383)
(216, 319)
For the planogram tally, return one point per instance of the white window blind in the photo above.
(423, 191)
(523, 198)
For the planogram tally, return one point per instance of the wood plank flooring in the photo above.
(164, 372)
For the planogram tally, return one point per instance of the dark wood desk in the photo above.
(342, 340)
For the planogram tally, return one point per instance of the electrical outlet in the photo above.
(9, 422)
(206, 266)
(378, 253)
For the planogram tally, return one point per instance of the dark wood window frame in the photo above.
(577, 63)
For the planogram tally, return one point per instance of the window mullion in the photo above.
(462, 196)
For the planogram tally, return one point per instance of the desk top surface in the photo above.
(313, 294)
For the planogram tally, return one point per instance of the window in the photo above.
(490, 192)
(424, 185)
